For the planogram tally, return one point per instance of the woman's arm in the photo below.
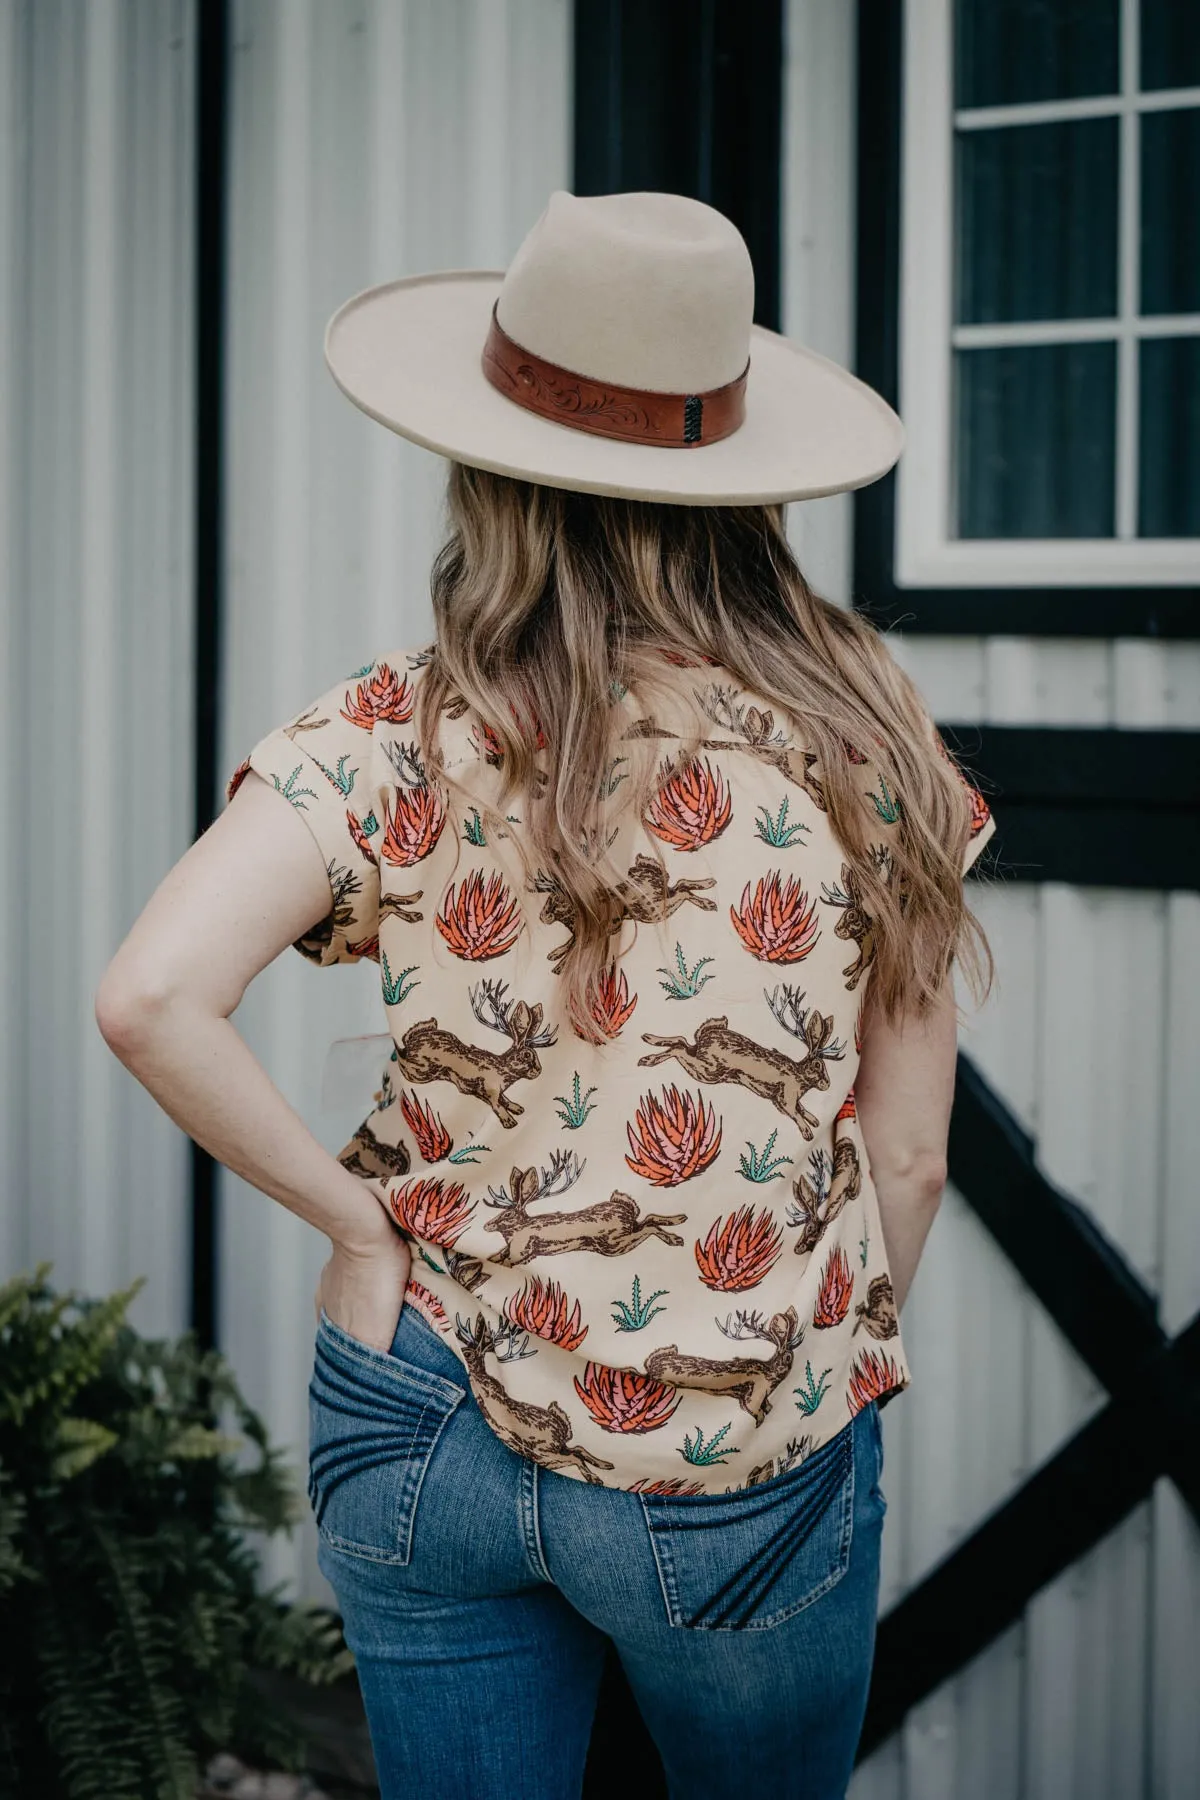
(252, 884)
(903, 1093)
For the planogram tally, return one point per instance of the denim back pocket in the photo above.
(374, 1422)
(748, 1560)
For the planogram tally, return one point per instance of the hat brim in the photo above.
(408, 354)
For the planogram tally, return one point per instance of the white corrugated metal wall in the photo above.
(96, 172)
(372, 138)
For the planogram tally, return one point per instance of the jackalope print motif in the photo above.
(821, 1196)
(428, 1053)
(675, 1282)
(750, 1380)
(609, 1227)
(542, 1433)
(855, 925)
(718, 1053)
(644, 896)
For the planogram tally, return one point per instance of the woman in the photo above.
(660, 857)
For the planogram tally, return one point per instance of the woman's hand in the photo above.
(362, 1285)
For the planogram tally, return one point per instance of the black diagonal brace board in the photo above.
(1149, 1428)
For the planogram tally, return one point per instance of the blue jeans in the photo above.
(478, 1591)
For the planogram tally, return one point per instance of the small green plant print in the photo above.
(702, 1455)
(863, 1241)
(760, 1165)
(370, 824)
(296, 795)
(635, 1316)
(342, 781)
(683, 983)
(426, 1258)
(887, 808)
(394, 988)
(361, 674)
(611, 781)
(473, 829)
(464, 1155)
(776, 831)
(809, 1397)
(574, 1111)
(618, 689)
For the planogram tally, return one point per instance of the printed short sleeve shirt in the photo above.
(658, 1258)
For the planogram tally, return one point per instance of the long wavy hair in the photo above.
(548, 604)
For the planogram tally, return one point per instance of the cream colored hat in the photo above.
(617, 355)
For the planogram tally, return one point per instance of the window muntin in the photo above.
(1050, 311)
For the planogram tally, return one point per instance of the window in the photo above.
(1050, 294)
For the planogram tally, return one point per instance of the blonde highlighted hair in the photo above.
(549, 603)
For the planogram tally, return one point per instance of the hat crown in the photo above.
(644, 290)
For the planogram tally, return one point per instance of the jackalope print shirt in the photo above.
(658, 1258)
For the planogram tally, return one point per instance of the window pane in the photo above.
(1013, 50)
(1171, 211)
(1170, 44)
(1037, 222)
(1170, 438)
(1035, 441)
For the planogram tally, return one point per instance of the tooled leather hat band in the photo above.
(635, 415)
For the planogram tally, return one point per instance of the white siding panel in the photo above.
(817, 248)
(370, 139)
(96, 225)
(1090, 1037)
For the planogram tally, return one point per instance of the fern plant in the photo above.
(132, 1612)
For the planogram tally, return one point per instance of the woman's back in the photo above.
(653, 1242)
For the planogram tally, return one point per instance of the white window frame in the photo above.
(926, 554)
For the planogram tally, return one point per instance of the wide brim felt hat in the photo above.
(618, 339)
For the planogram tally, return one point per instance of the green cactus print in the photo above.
(887, 808)
(760, 1165)
(683, 983)
(575, 1111)
(394, 986)
(702, 1455)
(775, 830)
(296, 795)
(810, 1396)
(637, 1314)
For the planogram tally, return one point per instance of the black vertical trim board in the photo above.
(212, 86)
(1029, 612)
(686, 97)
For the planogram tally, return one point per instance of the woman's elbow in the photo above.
(126, 1008)
(921, 1173)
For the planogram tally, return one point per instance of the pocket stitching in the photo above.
(406, 1503)
(438, 1386)
(667, 1575)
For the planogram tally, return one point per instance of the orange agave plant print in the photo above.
(777, 922)
(676, 1137)
(872, 1375)
(611, 1003)
(739, 1251)
(692, 808)
(433, 1140)
(387, 697)
(837, 1285)
(435, 1210)
(429, 1300)
(622, 1400)
(544, 1308)
(480, 918)
(411, 832)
